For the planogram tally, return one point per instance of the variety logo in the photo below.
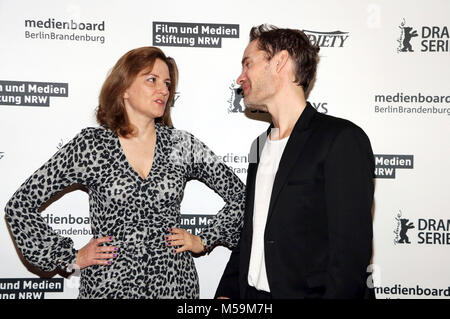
(31, 93)
(333, 39)
(385, 165)
(321, 107)
(201, 35)
(175, 98)
(429, 38)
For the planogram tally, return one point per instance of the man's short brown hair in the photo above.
(305, 55)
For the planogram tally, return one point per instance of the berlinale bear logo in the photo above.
(235, 101)
(403, 225)
(407, 33)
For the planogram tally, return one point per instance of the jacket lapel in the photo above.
(292, 151)
(254, 157)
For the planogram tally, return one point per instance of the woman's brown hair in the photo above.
(111, 110)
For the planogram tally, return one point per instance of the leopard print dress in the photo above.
(137, 212)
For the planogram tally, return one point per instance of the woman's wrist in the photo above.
(202, 243)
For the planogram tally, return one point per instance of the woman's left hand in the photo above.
(187, 241)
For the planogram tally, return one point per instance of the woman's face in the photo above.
(147, 95)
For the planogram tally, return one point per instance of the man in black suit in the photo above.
(308, 225)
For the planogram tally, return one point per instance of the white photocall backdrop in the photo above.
(384, 65)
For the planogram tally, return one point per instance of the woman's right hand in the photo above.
(94, 254)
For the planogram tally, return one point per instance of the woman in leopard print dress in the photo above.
(135, 167)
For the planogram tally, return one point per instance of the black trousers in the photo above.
(253, 293)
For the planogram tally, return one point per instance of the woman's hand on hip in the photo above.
(184, 240)
(94, 254)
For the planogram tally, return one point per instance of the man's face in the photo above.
(256, 79)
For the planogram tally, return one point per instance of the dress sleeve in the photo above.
(37, 241)
(206, 167)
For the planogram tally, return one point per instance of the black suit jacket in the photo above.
(318, 235)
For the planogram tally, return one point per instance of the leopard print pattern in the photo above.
(136, 212)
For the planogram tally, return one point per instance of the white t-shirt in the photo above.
(265, 176)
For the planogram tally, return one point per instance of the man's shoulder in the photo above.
(338, 130)
(332, 125)
(332, 122)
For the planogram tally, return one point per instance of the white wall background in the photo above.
(348, 79)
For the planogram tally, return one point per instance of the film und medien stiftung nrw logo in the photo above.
(20, 93)
(386, 165)
(194, 223)
(236, 101)
(29, 288)
(194, 35)
(425, 38)
(422, 231)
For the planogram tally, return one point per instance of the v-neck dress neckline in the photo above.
(123, 158)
